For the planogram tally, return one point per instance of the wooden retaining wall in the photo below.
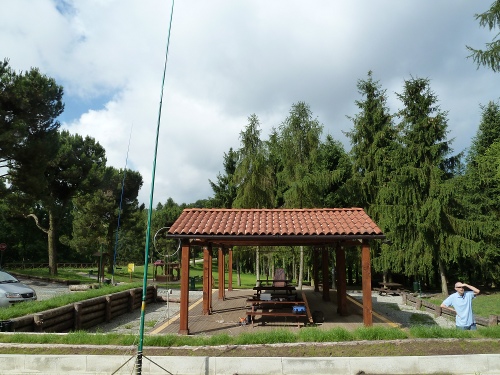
(437, 310)
(84, 314)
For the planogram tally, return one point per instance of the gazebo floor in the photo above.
(227, 313)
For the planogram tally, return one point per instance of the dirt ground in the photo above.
(411, 347)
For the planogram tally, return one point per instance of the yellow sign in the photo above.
(131, 267)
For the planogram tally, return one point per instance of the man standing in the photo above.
(461, 301)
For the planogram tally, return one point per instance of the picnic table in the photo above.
(386, 288)
(278, 307)
(273, 286)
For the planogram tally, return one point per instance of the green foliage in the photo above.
(96, 215)
(379, 333)
(490, 56)
(311, 334)
(433, 332)
(252, 176)
(299, 142)
(416, 205)
(490, 332)
(225, 189)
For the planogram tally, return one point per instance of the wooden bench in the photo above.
(381, 291)
(274, 308)
(252, 314)
(386, 291)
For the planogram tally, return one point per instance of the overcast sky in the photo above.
(229, 59)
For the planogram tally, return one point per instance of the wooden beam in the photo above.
(184, 300)
(326, 283)
(222, 274)
(367, 284)
(207, 288)
(341, 281)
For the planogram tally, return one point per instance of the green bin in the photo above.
(192, 283)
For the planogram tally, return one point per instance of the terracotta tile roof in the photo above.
(246, 223)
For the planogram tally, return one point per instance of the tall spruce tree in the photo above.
(252, 176)
(299, 139)
(224, 189)
(373, 141)
(416, 201)
(479, 189)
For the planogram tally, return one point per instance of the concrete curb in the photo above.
(484, 364)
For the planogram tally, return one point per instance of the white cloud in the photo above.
(229, 59)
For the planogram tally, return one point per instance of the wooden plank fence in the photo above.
(437, 310)
(84, 314)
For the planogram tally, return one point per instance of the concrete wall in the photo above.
(484, 364)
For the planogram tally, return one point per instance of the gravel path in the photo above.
(389, 306)
(393, 309)
(156, 313)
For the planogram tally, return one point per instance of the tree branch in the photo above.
(37, 223)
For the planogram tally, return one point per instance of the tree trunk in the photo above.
(257, 264)
(333, 273)
(444, 284)
(238, 270)
(301, 268)
(52, 244)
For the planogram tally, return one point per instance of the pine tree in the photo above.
(416, 200)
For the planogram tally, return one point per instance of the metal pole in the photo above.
(150, 211)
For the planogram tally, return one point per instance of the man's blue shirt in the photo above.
(463, 307)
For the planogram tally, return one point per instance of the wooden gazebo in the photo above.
(323, 228)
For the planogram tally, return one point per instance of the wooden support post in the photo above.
(366, 276)
(230, 270)
(222, 274)
(492, 321)
(207, 288)
(438, 311)
(341, 281)
(107, 313)
(326, 283)
(131, 300)
(184, 300)
(78, 316)
(316, 269)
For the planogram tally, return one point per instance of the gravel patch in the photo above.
(155, 314)
(392, 308)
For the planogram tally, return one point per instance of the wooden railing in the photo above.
(84, 314)
(437, 310)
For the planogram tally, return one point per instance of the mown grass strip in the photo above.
(279, 336)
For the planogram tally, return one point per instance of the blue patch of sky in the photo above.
(65, 7)
(75, 106)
